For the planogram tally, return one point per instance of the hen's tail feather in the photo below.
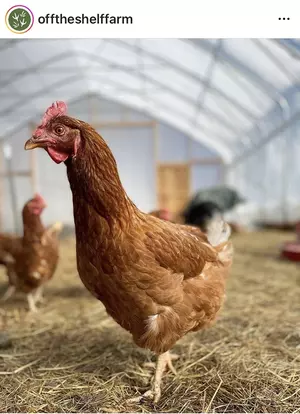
(53, 230)
(218, 235)
(218, 232)
(56, 227)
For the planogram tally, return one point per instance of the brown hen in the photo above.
(30, 260)
(157, 279)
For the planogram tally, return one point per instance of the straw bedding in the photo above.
(71, 357)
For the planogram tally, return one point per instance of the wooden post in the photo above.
(189, 149)
(189, 161)
(155, 129)
(33, 164)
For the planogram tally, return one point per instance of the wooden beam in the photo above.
(15, 174)
(196, 161)
(171, 164)
(124, 124)
(206, 161)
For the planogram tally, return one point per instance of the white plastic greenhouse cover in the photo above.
(220, 92)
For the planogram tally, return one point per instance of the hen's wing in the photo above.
(182, 249)
(181, 296)
(36, 262)
(10, 245)
(51, 233)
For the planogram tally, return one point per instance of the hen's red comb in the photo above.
(58, 108)
(39, 198)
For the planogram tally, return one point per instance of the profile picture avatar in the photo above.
(19, 19)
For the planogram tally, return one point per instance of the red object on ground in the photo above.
(291, 249)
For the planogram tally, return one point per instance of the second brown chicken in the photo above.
(30, 260)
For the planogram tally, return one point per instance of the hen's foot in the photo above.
(31, 302)
(170, 358)
(148, 395)
(38, 298)
(163, 361)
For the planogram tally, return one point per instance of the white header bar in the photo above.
(150, 19)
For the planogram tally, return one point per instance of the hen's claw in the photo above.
(170, 364)
(147, 395)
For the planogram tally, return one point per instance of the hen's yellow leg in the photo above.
(39, 295)
(163, 361)
(31, 302)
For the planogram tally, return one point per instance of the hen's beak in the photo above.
(30, 144)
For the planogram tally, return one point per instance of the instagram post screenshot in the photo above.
(150, 207)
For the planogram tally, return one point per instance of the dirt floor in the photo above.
(71, 357)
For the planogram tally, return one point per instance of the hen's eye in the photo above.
(59, 130)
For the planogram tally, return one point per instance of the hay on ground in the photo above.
(71, 357)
